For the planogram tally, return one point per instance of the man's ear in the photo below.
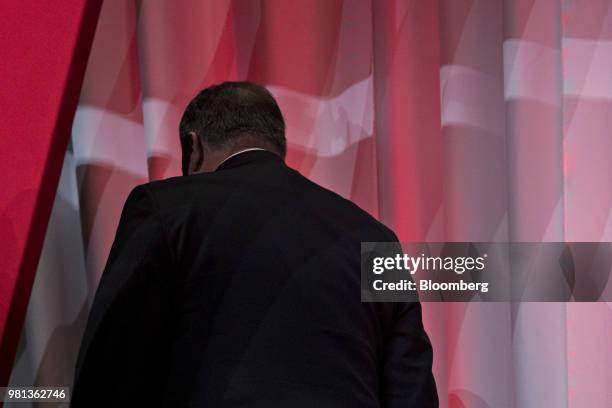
(197, 154)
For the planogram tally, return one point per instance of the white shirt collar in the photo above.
(237, 153)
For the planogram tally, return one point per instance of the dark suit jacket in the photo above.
(241, 288)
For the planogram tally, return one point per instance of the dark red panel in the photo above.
(44, 53)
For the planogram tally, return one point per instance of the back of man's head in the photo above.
(234, 112)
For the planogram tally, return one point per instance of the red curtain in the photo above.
(448, 120)
(42, 70)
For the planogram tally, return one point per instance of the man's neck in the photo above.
(237, 153)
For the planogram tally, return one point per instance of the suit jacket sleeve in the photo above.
(407, 368)
(407, 377)
(127, 330)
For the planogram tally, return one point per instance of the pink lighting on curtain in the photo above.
(447, 120)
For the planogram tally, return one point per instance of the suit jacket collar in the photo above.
(248, 156)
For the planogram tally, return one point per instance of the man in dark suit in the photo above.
(238, 284)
